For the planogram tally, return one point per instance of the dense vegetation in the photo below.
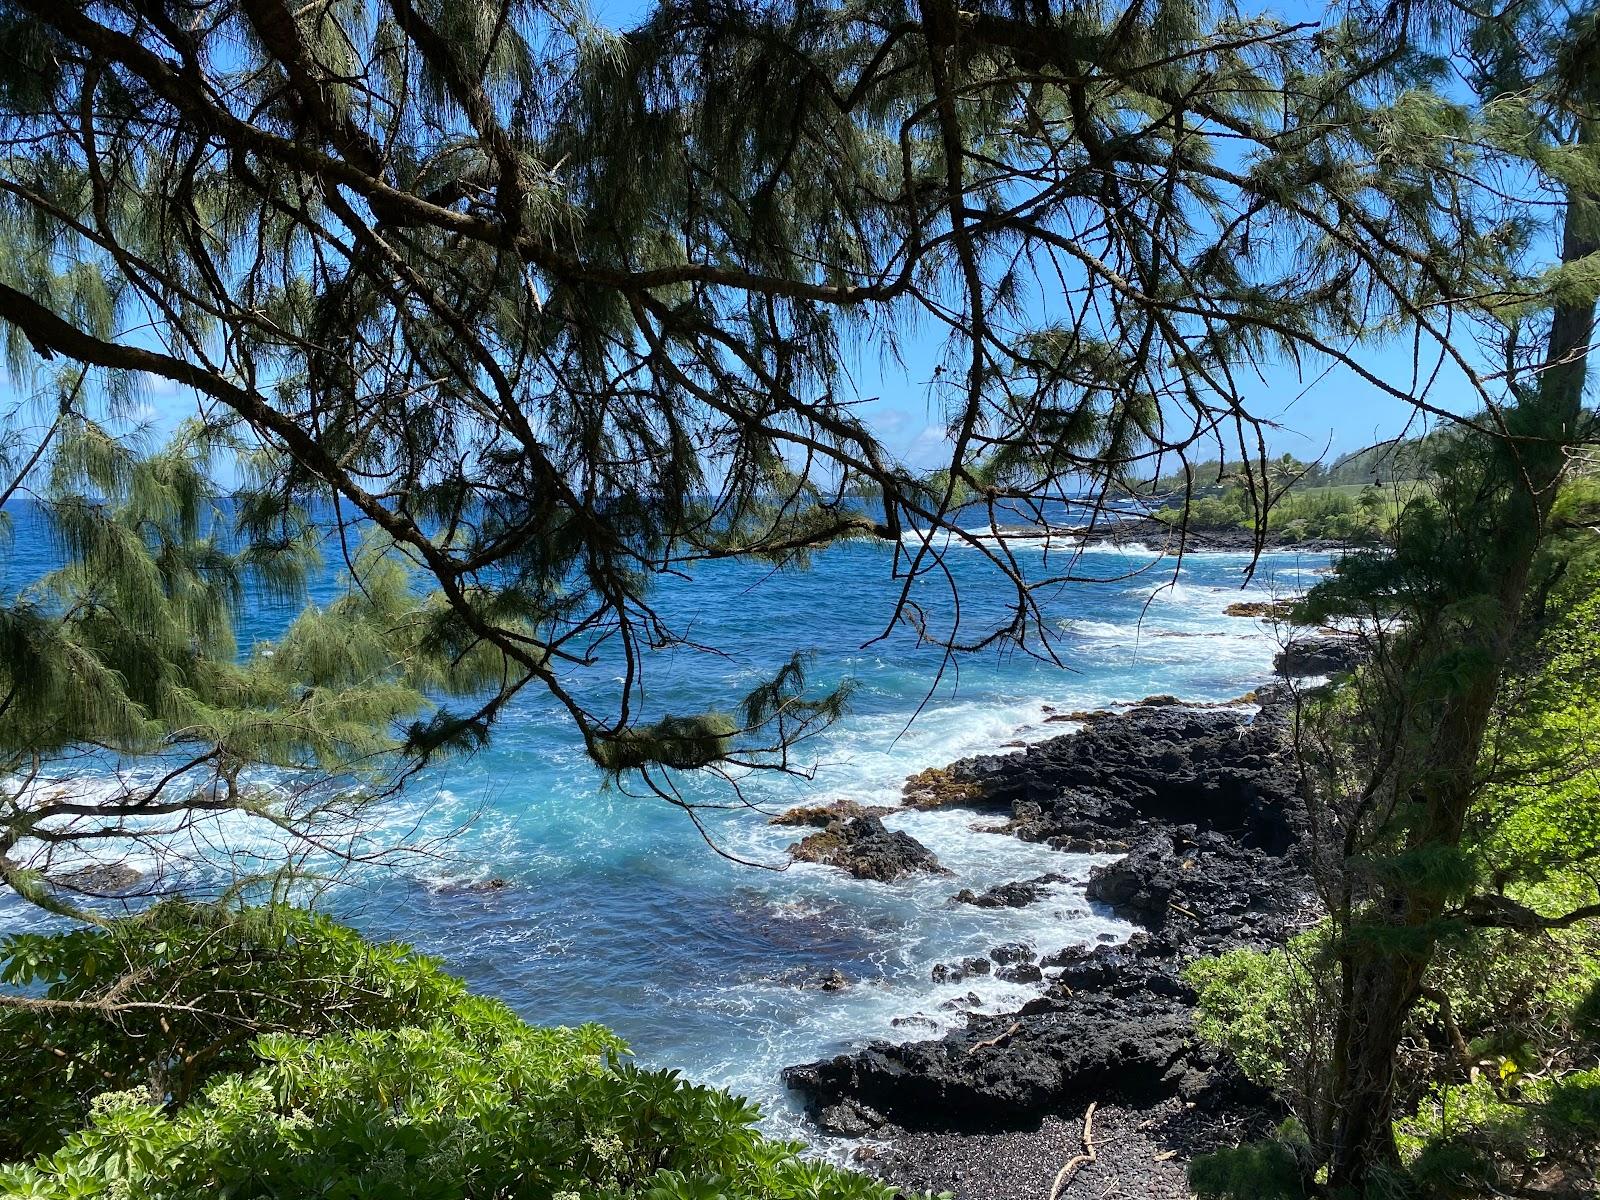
(1354, 515)
(195, 1051)
(1498, 1089)
(1355, 499)
(540, 313)
(1400, 461)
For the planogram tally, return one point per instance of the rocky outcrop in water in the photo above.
(1213, 768)
(865, 848)
(1326, 655)
(102, 879)
(1019, 894)
(940, 787)
(1115, 1024)
(1276, 610)
(823, 815)
(967, 968)
(1203, 801)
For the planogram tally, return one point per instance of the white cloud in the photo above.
(158, 385)
(930, 448)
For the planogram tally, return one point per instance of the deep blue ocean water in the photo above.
(614, 909)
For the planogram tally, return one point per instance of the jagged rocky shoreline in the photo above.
(1203, 803)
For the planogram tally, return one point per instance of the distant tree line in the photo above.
(1403, 460)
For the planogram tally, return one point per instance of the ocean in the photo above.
(613, 908)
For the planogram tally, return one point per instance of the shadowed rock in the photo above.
(1000, 1072)
(866, 849)
(1081, 716)
(1010, 895)
(1214, 768)
(1318, 656)
(101, 879)
(965, 969)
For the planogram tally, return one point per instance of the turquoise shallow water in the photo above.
(615, 910)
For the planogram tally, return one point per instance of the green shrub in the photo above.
(1471, 1112)
(1342, 513)
(408, 1086)
(1572, 1108)
(1457, 1165)
(1480, 1136)
(183, 988)
(1210, 511)
(1267, 1170)
(477, 1104)
(1586, 1016)
(1516, 996)
(1243, 1003)
(1267, 1011)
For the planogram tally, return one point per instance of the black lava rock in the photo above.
(1318, 656)
(868, 850)
(1010, 895)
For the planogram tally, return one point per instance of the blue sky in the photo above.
(1322, 410)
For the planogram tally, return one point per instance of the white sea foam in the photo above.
(206, 851)
(928, 927)
(1126, 549)
(1113, 630)
(904, 1004)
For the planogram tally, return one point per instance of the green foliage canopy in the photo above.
(561, 310)
(351, 1070)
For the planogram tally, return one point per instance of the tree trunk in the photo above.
(1382, 979)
